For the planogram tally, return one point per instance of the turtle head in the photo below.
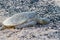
(43, 20)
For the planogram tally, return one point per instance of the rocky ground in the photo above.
(45, 8)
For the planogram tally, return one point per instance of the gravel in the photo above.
(46, 8)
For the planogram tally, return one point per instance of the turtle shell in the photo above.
(19, 18)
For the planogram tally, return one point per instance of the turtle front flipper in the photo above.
(27, 24)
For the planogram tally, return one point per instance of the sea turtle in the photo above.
(24, 19)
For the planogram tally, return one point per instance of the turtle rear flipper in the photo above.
(7, 27)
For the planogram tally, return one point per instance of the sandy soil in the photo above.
(45, 8)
